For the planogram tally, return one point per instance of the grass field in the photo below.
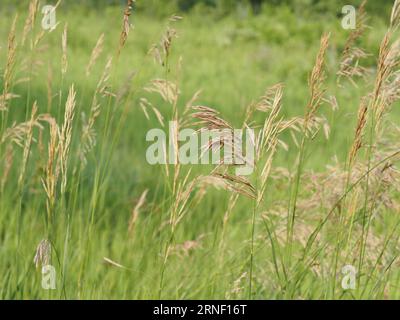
(77, 193)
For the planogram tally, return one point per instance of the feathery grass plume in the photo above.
(167, 42)
(351, 55)
(181, 189)
(17, 132)
(315, 82)
(64, 42)
(384, 67)
(102, 88)
(66, 136)
(386, 90)
(384, 94)
(361, 123)
(332, 101)
(102, 84)
(268, 137)
(145, 105)
(317, 91)
(274, 124)
(209, 118)
(30, 20)
(395, 15)
(314, 126)
(38, 39)
(166, 89)
(266, 169)
(268, 100)
(97, 50)
(390, 92)
(9, 96)
(136, 211)
(388, 62)
(43, 254)
(126, 25)
(189, 104)
(226, 181)
(51, 172)
(10, 64)
(28, 143)
(162, 51)
(265, 143)
(271, 102)
(169, 92)
(249, 113)
(88, 136)
(7, 165)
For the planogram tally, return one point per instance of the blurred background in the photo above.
(231, 51)
(222, 6)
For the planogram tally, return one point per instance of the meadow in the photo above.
(77, 193)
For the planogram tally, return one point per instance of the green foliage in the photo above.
(232, 57)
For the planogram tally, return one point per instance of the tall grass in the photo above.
(186, 231)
